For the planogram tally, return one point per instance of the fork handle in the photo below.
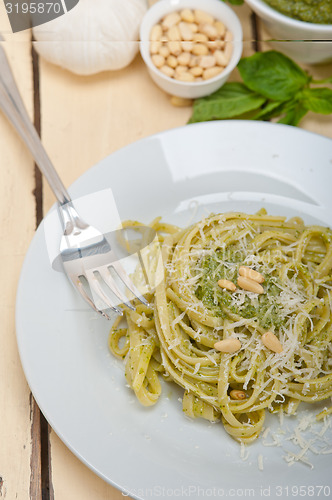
(12, 105)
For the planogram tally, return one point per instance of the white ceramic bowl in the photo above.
(219, 10)
(294, 37)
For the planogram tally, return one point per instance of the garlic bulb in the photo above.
(94, 36)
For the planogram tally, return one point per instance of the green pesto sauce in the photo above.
(219, 266)
(311, 11)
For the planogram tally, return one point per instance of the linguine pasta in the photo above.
(190, 314)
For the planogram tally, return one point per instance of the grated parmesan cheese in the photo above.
(260, 462)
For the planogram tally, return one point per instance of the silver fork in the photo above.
(86, 254)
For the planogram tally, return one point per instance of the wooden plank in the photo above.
(249, 29)
(19, 438)
(35, 490)
(73, 480)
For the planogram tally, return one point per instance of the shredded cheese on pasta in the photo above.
(190, 313)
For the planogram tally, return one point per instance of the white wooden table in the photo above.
(81, 121)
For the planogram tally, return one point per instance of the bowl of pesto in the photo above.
(302, 29)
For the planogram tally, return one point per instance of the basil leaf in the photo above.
(273, 108)
(294, 115)
(273, 75)
(236, 2)
(325, 80)
(318, 100)
(233, 99)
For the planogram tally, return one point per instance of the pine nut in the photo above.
(209, 30)
(228, 345)
(229, 285)
(167, 70)
(228, 50)
(164, 51)
(214, 45)
(187, 46)
(194, 27)
(185, 31)
(170, 20)
(184, 58)
(172, 61)
(228, 45)
(174, 48)
(249, 285)
(196, 71)
(228, 36)
(220, 58)
(220, 27)
(187, 15)
(199, 49)
(156, 33)
(185, 76)
(203, 17)
(158, 60)
(180, 102)
(272, 342)
(193, 61)
(155, 47)
(211, 72)
(174, 33)
(207, 62)
(247, 272)
(219, 44)
(236, 394)
(181, 69)
(200, 37)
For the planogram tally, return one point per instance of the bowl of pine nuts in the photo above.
(190, 47)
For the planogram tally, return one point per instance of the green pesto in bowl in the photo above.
(311, 11)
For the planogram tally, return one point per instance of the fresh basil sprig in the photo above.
(273, 86)
(227, 102)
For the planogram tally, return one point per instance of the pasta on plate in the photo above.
(238, 347)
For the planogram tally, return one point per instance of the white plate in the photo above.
(180, 174)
